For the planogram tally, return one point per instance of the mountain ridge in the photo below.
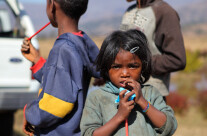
(105, 22)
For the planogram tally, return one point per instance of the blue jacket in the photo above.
(64, 78)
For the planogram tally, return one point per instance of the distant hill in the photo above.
(193, 13)
(97, 22)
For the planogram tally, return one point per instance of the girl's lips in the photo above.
(122, 83)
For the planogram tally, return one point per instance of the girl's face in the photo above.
(126, 66)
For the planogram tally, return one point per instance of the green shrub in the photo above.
(193, 61)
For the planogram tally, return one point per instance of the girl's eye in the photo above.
(133, 66)
(115, 66)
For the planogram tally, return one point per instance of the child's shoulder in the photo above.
(67, 42)
(95, 97)
(164, 8)
(97, 93)
(149, 90)
(131, 7)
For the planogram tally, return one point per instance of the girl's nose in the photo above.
(125, 73)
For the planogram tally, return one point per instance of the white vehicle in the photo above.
(16, 84)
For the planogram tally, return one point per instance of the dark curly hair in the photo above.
(73, 8)
(125, 40)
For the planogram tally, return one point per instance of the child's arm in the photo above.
(157, 117)
(124, 110)
(60, 89)
(161, 115)
(29, 52)
(32, 54)
(173, 57)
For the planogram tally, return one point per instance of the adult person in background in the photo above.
(161, 24)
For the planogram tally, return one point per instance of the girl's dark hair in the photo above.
(125, 40)
(73, 8)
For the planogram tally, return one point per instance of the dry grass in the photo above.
(46, 46)
(191, 41)
(194, 43)
(190, 124)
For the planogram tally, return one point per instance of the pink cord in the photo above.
(38, 31)
(126, 127)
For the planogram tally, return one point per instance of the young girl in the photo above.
(125, 61)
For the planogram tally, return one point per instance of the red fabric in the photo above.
(24, 111)
(38, 65)
(78, 33)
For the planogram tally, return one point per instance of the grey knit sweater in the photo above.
(100, 107)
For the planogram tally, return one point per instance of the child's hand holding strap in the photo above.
(29, 52)
(125, 106)
(127, 91)
(28, 128)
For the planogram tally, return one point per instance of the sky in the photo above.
(172, 2)
(98, 9)
(33, 1)
(97, 5)
(121, 2)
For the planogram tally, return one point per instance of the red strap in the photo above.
(38, 65)
(126, 127)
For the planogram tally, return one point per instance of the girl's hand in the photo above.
(136, 88)
(125, 106)
(29, 52)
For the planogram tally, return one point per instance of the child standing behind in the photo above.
(161, 25)
(64, 77)
(125, 61)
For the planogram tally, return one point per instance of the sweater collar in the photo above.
(111, 88)
(145, 3)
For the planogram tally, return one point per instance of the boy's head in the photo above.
(133, 41)
(72, 8)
